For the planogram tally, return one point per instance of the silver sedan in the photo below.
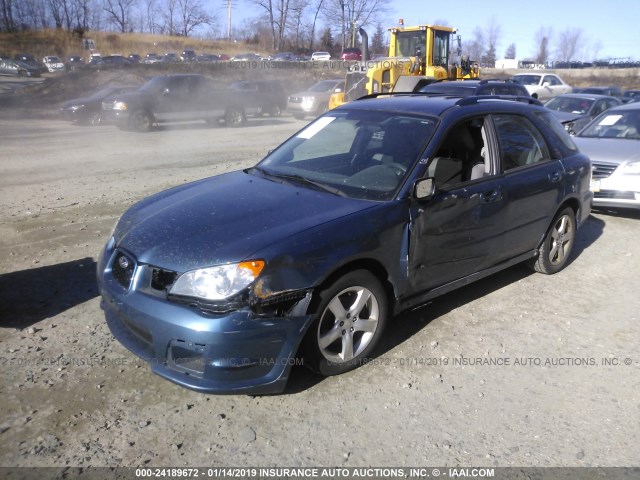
(612, 141)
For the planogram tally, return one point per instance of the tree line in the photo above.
(278, 25)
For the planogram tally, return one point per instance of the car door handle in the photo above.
(555, 177)
(492, 196)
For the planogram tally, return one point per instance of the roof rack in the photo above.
(475, 99)
(463, 100)
(384, 94)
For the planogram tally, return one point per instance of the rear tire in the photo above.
(276, 111)
(351, 316)
(557, 244)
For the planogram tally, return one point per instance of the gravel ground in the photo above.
(520, 369)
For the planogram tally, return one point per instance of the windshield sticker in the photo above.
(314, 128)
(610, 120)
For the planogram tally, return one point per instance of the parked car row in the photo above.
(52, 63)
(27, 65)
(17, 68)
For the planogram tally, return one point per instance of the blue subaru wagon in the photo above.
(371, 209)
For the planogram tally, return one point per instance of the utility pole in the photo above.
(228, 20)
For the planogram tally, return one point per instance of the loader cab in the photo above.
(428, 44)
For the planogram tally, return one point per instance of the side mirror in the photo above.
(545, 84)
(424, 188)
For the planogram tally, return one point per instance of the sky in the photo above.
(610, 27)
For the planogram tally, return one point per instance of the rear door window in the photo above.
(521, 143)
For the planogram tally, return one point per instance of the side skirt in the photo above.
(417, 300)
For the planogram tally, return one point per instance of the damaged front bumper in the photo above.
(246, 351)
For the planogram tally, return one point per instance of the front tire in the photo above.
(557, 245)
(322, 109)
(235, 117)
(351, 316)
(95, 119)
(141, 121)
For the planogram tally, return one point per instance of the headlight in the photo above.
(119, 106)
(76, 108)
(632, 168)
(217, 283)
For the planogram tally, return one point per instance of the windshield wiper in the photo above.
(300, 179)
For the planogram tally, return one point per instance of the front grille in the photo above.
(615, 194)
(122, 269)
(602, 170)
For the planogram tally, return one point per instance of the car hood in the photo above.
(565, 117)
(78, 101)
(612, 150)
(224, 219)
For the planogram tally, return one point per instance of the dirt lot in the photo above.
(562, 389)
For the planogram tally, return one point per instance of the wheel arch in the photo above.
(573, 204)
(372, 266)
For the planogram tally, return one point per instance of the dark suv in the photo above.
(175, 98)
(473, 87)
(374, 208)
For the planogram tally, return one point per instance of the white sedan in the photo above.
(53, 63)
(320, 56)
(542, 85)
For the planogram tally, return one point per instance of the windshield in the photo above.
(352, 153)
(156, 84)
(411, 44)
(325, 86)
(570, 105)
(615, 124)
(54, 60)
(527, 79)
